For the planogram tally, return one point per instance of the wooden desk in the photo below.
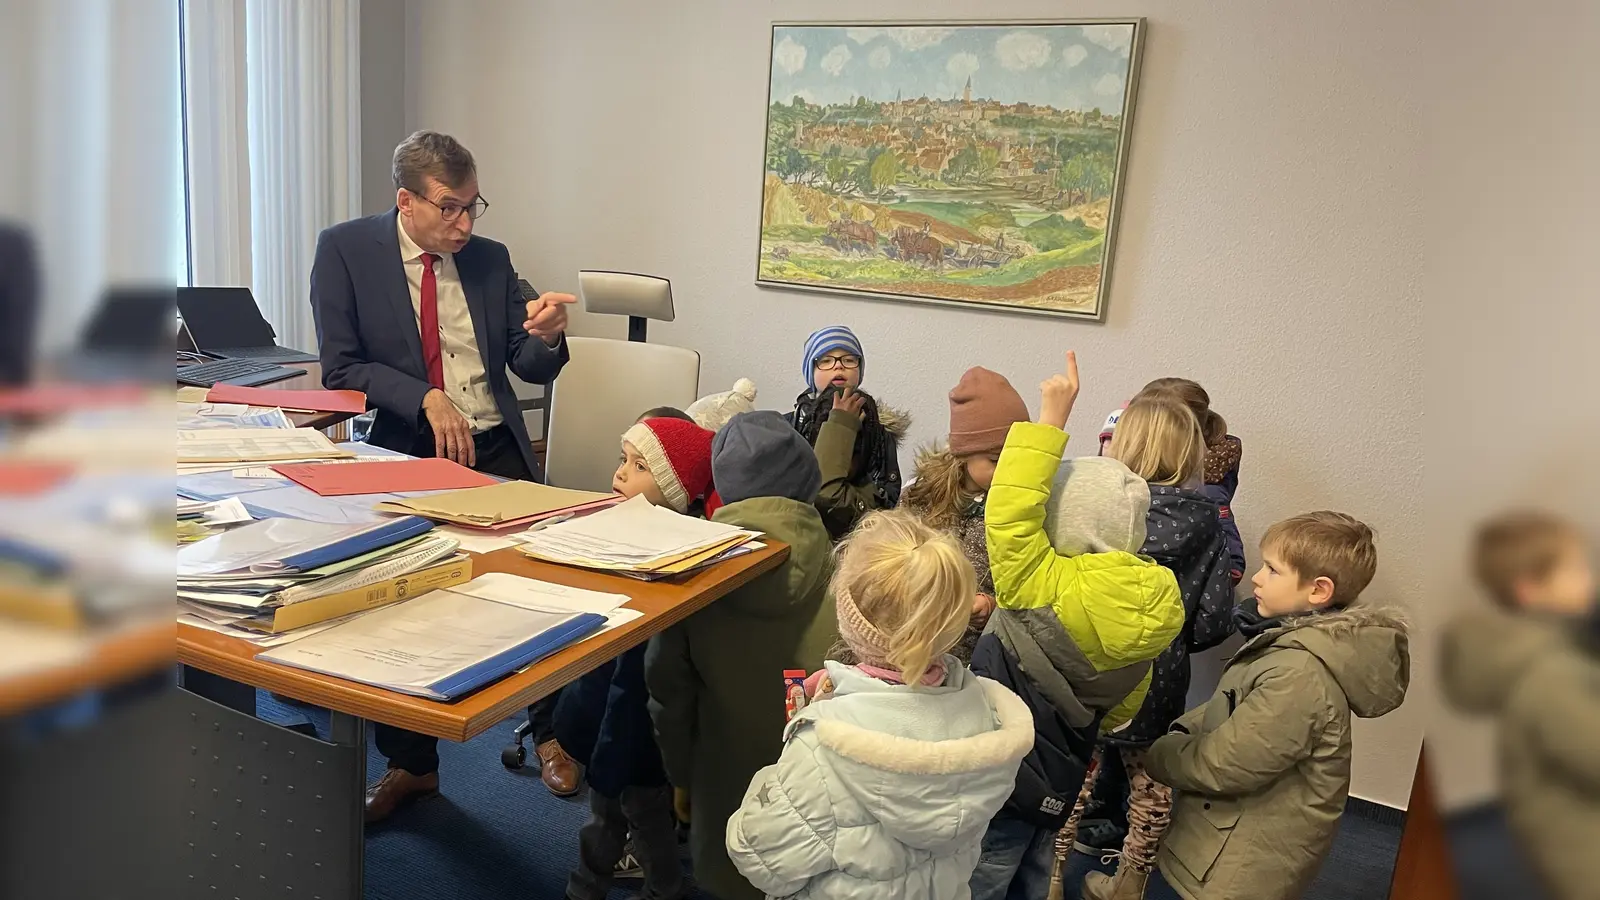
(310, 381)
(663, 604)
(115, 659)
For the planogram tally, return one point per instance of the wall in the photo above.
(383, 98)
(1270, 248)
(1511, 382)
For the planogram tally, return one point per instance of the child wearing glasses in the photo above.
(857, 440)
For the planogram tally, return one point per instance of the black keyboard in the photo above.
(242, 372)
(274, 354)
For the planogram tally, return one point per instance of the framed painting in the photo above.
(972, 163)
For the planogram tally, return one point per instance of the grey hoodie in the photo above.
(1260, 774)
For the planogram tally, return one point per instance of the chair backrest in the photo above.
(601, 390)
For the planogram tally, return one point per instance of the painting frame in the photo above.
(1114, 199)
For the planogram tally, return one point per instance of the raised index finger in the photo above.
(1072, 365)
(558, 297)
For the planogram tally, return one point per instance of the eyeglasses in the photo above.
(450, 211)
(828, 363)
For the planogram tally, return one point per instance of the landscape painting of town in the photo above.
(959, 162)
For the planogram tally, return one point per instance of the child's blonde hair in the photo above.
(1191, 394)
(1159, 438)
(939, 495)
(912, 586)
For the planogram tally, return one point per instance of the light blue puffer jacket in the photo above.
(883, 791)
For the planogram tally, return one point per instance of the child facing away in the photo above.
(952, 481)
(1533, 661)
(716, 679)
(884, 787)
(713, 411)
(856, 438)
(1261, 772)
(1222, 456)
(603, 719)
(1080, 618)
(1159, 439)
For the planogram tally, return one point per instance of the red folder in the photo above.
(353, 402)
(344, 479)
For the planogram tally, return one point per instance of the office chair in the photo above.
(601, 390)
(608, 383)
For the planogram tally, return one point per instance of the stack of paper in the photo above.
(251, 605)
(218, 449)
(505, 506)
(454, 641)
(635, 537)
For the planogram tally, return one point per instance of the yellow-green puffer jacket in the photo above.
(1119, 608)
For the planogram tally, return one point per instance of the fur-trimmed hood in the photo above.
(1365, 648)
(895, 421)
(922, 761)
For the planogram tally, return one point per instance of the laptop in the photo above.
(226, 322)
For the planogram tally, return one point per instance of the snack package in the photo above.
(794, 691)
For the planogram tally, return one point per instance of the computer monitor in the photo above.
(224, 317)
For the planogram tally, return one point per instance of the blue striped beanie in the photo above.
(824, 341)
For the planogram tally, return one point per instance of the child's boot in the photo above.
(1127, 884)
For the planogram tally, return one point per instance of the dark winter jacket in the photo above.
(603, 722)
(1222, 482)
(841, 439)
(1184, 534)
(716, 679)
(1030, 652)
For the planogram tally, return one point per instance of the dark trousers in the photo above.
(646, 814)
(418, 753)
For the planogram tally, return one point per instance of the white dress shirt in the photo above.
(466, 382)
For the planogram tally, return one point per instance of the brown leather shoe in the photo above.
(557, 770)
(396, 788)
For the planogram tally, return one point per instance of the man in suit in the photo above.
(425, 317)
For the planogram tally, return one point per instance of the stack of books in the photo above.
(277, 580)
(638, 539)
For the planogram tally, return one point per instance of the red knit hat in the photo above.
(679, 456)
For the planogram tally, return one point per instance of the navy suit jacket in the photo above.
(367, 330)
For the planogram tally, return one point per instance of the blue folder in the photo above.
(575, 629)
(377, 537)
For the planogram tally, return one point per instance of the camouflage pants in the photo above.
(1149, 811)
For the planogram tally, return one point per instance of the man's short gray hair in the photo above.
(429, 153)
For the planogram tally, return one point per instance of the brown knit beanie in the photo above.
(982, 409)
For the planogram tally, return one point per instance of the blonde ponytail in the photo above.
(938, 495)
(904, 592)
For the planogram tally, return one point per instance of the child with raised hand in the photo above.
(717, 678)
(1261, 772)
(1080, 616)
(885, 787)
(603, 719)
(857, 439)
(1532, 661)
(1160, 440)
(952, 480)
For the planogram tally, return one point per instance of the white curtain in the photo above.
(283, 144)
(218, 142)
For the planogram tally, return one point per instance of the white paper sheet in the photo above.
(412, 645)
(632, 533)
(228, 445)
(474, 541)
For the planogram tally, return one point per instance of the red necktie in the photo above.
(431, 357)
